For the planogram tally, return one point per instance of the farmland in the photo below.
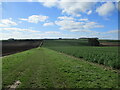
(80, 49)
(58, 64)
(14, 46)
(45, 68)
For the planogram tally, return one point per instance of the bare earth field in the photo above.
(11, 47)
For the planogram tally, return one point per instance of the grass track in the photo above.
(45, 68)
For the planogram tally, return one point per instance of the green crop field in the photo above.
(101, 55)
(53, 66)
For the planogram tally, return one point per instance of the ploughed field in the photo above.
(51, 66)
(14, 46)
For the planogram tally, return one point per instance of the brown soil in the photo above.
(11, 47)
(110, 44)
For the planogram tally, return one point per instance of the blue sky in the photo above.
(30, 20)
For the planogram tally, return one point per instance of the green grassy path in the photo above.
(45, 68)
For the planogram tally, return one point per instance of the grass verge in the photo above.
(45, 68)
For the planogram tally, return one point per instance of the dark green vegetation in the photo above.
(93, 42)
(79, 48)
(45, 68)
(65, 42)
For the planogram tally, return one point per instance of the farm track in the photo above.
(45, 68)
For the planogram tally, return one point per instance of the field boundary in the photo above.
(100, 65)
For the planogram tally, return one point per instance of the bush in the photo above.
(93, 42)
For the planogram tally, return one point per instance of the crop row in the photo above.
(101, 55)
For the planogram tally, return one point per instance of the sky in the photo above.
(59, 19)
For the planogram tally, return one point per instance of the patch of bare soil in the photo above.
(14, 86)
(110, 44)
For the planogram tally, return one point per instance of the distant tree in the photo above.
(11, 39)
(60, 38)
(93, 42)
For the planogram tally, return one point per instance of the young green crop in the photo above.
(101, 55)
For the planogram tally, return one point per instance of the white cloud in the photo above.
(18, 29)
(3, 25)
(23, 19)
(7, 23)
(71, 7)
(30, 0)
(52, 32)
(48, 24)
(76, 7)
(68, 25)
(83, 19)
(81, 31)
(17, 34)
(35, 18)
(105, 9)
(112, 32)
(89, 12)
(72, 25)
(90, 25)
(65, 18)
(49, 3)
